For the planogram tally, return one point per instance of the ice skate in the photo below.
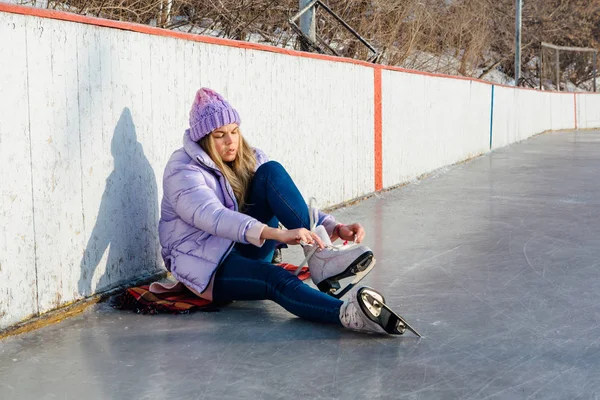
(333, 263)
(365, 310)
(329, 265)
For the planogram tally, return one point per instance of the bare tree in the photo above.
(466, 37)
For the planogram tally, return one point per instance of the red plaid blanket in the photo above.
(142, 301)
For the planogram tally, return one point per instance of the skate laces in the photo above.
(349, 316)
(313, 212)
(314, 218)
(313, 215)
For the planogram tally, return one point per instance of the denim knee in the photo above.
(280, 280)
(268, 168)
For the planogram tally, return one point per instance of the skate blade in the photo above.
(358, 276)
(391, 322)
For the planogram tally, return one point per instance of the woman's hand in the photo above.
(351, 233)
(293, 236)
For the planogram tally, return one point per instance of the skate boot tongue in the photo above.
(319, 230)
(322, 234)
(311, 249)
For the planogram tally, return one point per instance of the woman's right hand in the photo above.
(292, 236)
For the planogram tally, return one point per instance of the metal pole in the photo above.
(557, 71)
(595, 56)
(307, 22)
(541, 65)
(518, 42)
(341, 21)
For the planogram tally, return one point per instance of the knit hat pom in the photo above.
(209, 112)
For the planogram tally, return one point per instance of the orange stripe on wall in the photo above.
(378, 131)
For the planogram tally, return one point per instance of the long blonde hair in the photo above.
(239, 172)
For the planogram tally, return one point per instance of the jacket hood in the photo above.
(195, 151)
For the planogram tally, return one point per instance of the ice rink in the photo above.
(495, 261)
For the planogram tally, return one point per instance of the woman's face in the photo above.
(227, 140)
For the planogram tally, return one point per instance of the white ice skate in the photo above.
(329, 265)
(365, 310)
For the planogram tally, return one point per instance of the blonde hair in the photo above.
(239, 172)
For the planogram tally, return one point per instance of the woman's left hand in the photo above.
(351, 233)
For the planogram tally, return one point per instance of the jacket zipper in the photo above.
(235, 205)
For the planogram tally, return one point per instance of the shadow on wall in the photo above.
(127, 221)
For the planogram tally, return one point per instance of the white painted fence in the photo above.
(89, 115)
(588, 111)
(429, 122)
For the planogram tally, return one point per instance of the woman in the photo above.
(222, 204)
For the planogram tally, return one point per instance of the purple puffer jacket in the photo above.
(199, 222)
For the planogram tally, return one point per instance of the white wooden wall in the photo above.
(520, 114)
(89, 116)
(18, 275)
(429, 122)
(588, 111)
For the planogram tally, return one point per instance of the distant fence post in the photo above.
(307, 23)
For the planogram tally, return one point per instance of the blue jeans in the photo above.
(247, 272)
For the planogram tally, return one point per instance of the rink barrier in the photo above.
(39, 271)
(575, 109)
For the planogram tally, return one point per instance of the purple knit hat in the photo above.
(209, 112)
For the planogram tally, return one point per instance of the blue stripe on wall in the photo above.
(492, 117)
